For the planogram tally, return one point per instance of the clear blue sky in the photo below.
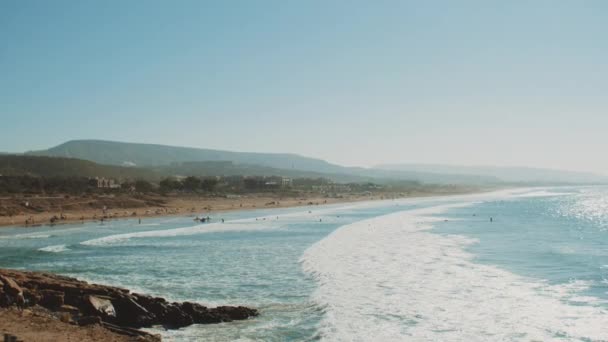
(353, 82)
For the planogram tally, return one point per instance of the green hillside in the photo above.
(145, 155)
(18, 165)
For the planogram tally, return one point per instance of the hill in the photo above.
(183, 160)
(174, 160)
(146, 155)
(18, 165)
(37, 166)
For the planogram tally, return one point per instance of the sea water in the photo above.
(422, 269)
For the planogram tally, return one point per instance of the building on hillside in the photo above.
(106, 183)
(286, 182)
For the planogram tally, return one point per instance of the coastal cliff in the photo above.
(116, 309)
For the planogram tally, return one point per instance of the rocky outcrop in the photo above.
(13, 294)
(115, 308)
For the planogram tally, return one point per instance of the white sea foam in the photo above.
(54, 249)
(541, 193)
(390, 279)
(26, 236)
(197, 229)
(310, 213)
(249, 224)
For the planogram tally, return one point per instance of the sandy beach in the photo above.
(37, 324)
(35, 211)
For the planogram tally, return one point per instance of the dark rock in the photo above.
(155, 305)
(32, 297)
(201, 314)
(51, 299)
(114, 307)
(89, 320)
(3, 297)
(236, 313)
(175, 317)
(130, 313)
(12, 291)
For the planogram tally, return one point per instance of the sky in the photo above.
(508, 83)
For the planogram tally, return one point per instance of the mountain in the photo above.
(37, 166)
(181, 160)
(174, 160)
(145, 155)
(505, 174)
(18, 165)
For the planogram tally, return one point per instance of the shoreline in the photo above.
(185, 206)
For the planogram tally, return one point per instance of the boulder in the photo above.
(201, 314)
(32, 297)
(175, 317)
(115, 308)
(101, 306)
(155, 305)
(131, 313)
(51, 299)
(231, 313)
(12, 290)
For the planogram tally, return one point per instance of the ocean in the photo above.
(418, 269)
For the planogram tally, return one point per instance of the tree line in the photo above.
(26, 184)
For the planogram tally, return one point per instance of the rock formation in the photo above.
(117, 309)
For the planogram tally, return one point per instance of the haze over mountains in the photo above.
(187, 160)
(506, 174)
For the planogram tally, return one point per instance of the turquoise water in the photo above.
(561, 239)
(340, 272)
(252, 259)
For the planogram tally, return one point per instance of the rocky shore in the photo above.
(79, 303)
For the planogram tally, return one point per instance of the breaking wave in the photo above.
(54, 249)
(249, 224)
(391, 279)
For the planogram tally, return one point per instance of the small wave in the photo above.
(54, 249)
(193, 230)
(249, 224)
(26, 236)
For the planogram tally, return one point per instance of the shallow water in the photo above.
(386, 270)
